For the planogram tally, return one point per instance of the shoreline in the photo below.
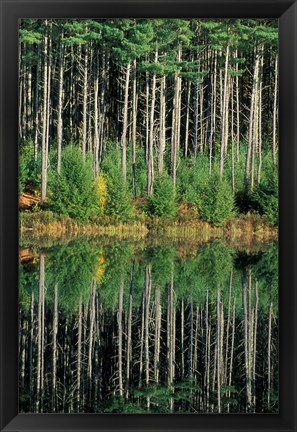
(244, 228)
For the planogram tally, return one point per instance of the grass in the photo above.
(47, 223)
(245, 229)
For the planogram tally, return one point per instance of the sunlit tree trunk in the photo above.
(251, 131)
(225, 111)
(150, 168)
(162, 137)
(176, 112)
(45, 117)
(96, 116)
(60, 106)
(213, 112)
(187, 119)
(125, 121)
(85, 103)
(134, 128)
(36, 105)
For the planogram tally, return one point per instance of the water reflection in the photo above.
(116, 328)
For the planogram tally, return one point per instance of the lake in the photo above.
(125, 326)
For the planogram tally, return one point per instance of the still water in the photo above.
(133, 327)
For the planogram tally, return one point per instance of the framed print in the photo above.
(148, 188)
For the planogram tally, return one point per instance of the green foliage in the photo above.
(72, 192)
(217, 201)
(266, 194)
(119, 203)
(267, 271)
(192, 178)
(73, 268)
(23, 174)
(178, 44)
(215, 263)
(163, 200)
(28, 167)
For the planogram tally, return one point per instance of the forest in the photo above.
(148, 204)
(137, 120)
(136, 328)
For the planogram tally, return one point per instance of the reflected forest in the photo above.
(148, 215)
(119, 328)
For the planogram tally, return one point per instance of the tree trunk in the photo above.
(134, 125)
(246, 347)
(225, 111)
(158, 318)
(213, 112)
(79, 352)
(148, 287)
(85, 104)
(91, 337)
(36, 118)
(44, 120)
(96, 118)
(187, 119)
(175, 137)
(269, 356)
(129, 334)
(60, 105)
(251, 132)
(40, 354)
(162, 138)
(150, 168)
(120, 338)
(219, 353)
(55, 353)
(125, 122)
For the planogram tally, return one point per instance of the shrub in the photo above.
(266, 195)
(118, 203)
(23, 174)
(192, 179)
(246, 201)
(217, 201)
(72, 192)
(162, 202)
(28, 166)
(101, 192)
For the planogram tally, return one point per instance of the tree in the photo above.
(217, 202)
(163, 199)
(73, 192)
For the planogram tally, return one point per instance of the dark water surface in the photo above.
(125, 327)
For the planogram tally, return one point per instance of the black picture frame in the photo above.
(286, 12)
